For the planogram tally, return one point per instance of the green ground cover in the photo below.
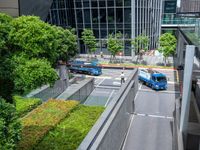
(25, 105)
(71, 131)
(135, 65)
(38, 122)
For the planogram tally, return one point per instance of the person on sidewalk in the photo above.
(122, 76)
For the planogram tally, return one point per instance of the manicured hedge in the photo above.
(42, 119)
(71, 131)
(24, 105)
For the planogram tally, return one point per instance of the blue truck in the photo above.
(83, 67)
(153, 79)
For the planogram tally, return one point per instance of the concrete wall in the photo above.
(10, 7)
(110, 130)
(197, 93)
(78, 91)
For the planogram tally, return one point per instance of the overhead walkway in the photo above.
(178, 22)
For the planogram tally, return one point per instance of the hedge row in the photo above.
(42, 119)
(25, 105)
(71, 131)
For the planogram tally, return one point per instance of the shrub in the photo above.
(42, 119)
(72, 130)
(25, 105)
(9, 126)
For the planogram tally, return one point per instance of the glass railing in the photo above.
(179, 21)
(193, 33)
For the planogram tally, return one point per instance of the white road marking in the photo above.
(100, 82)
(173, 92)
(129, 128)
(116, 83)
(140, 86)
(154, 116)
(109, 97)
(100, 77)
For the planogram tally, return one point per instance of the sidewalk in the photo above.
(128, 62)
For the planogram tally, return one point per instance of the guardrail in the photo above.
(111, 128)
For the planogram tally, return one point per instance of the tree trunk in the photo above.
(64, 75)
(165, 60)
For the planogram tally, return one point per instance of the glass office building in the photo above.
(104, 17)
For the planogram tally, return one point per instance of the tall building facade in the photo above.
(104, 17)
(190, 5)
(10, 7)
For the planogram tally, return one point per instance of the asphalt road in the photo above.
(151, 125)
(106, 87)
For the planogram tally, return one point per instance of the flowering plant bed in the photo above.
(42, 119)
(72, 130)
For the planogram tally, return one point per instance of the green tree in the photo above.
(115, 45)
(10, 126)
(26, 38)
(167, 45)
(89, 40)
(33, 74)
(141, 44)
(68, 47)
(6, 86)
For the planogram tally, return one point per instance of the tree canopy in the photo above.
(89, 40)
(115, 44)
(31, 48)
(141, 42)
(167, 44)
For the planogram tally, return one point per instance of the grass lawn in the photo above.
(25, 105)
(42, 119)
(71, 131)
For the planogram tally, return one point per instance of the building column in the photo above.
(187, 82)
(132, 27)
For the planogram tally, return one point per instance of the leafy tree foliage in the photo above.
(34, 73)
(115, 44)
(6, 86)
(39, 39)
(23, 39)
(167, 45)
(141, 43)
(89, 40)
(10, 127)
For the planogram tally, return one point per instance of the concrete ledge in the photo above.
(110, 129)
(78, 91)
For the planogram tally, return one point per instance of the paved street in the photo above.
(106, 87)
(151, 125)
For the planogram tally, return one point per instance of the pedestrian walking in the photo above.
(122, 76)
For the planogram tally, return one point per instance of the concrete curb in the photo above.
(133, 67)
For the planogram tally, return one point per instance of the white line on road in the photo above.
(154, 116)
(100, 77)
(100, 82)
(170, 92)
(109, 97)
(140, 86)
(129, 128)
